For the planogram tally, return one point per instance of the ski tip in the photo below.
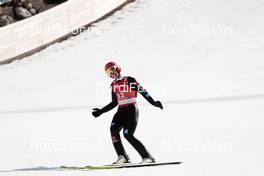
(170, 162)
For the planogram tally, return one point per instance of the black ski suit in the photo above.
(126, 118)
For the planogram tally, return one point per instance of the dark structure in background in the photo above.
(53, 1)
(14, 10)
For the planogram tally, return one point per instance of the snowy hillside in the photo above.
(202, 59)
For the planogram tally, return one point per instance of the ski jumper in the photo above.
(124, 94)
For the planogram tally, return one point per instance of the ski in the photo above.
(129, 165)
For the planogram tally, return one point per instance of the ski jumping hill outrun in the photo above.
(202, 59)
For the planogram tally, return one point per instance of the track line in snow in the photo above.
(174, 102)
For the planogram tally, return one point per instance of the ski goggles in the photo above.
(110, 71)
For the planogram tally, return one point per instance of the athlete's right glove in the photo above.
(97, 112)
(158, 104)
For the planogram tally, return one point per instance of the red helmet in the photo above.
(114, 65)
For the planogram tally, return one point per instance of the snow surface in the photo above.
(202, 59)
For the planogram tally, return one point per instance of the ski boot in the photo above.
(122, 160)
(147, 160)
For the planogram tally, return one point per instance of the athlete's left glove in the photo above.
(97, 112)
(158, 104)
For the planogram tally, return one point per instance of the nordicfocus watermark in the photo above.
(156, 88)
(197, 146)
(219, 29)
(127, 88)
(59, 29)
(65, 146)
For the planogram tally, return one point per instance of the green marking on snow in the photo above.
(87, 167)
(98, 167)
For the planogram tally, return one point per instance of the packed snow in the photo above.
(202, 59)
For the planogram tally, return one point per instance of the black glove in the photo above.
(158, 104)
(96, 112)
